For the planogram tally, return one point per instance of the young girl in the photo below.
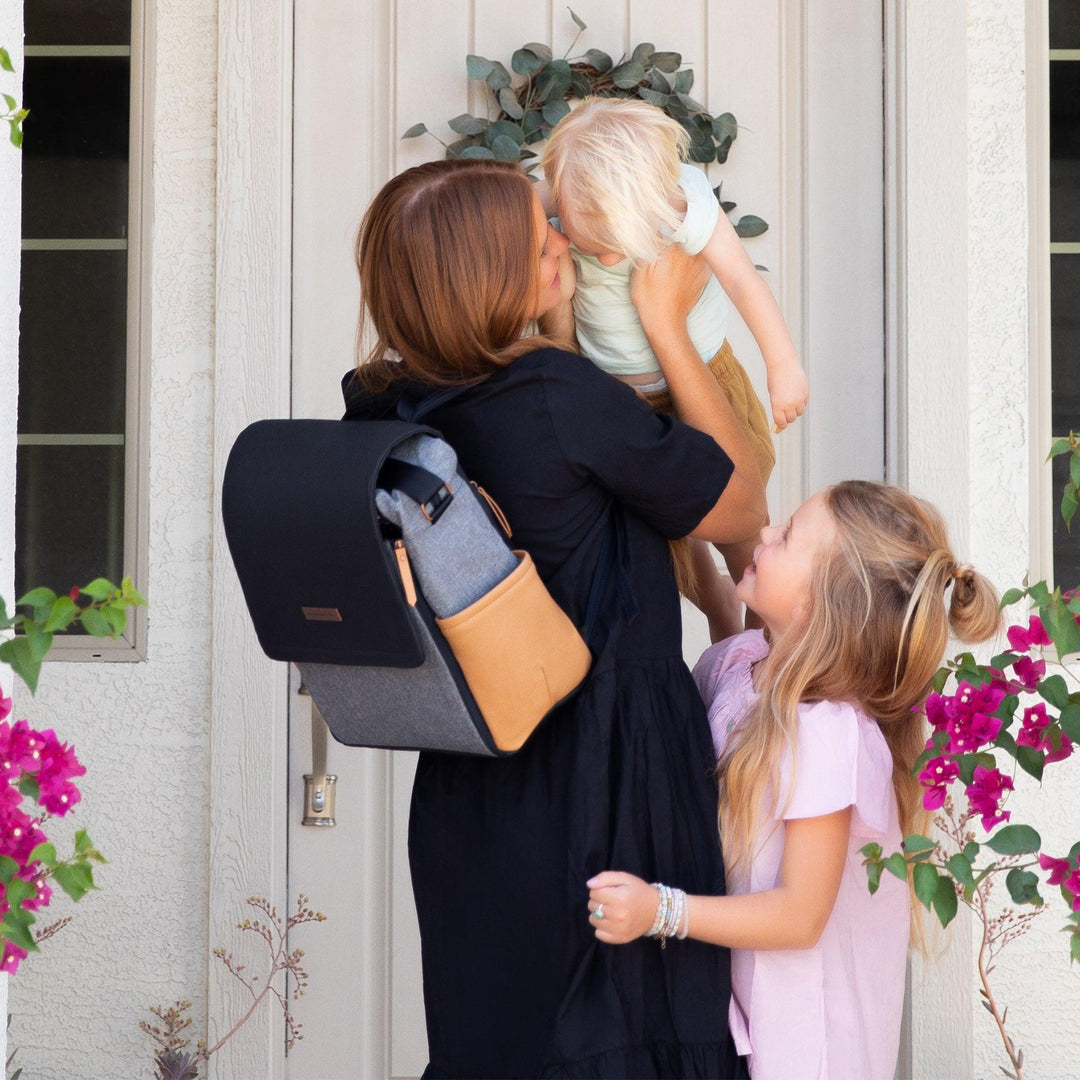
(816, 729)
(616, 172)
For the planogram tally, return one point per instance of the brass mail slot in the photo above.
(321, 614)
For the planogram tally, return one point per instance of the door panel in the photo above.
(364, 73)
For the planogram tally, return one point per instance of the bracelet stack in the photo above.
(672, 915)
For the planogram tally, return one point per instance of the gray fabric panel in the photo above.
(396, 707)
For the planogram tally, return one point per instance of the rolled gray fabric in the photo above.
(435, 549)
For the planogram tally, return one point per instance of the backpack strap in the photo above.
(430, 492)
(412, 409)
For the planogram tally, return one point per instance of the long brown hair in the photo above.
(449, 263)
(874, 632)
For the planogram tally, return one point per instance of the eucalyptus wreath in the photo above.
(526, 108)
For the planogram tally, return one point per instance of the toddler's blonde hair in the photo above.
(613, 167)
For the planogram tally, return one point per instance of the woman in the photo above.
(456, 260)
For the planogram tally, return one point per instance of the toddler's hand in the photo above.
(627, 904)
(788, 393)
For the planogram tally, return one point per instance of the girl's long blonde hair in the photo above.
(882, 602)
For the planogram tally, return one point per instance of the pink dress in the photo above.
(832, 1011)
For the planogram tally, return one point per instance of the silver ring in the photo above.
(599, 912)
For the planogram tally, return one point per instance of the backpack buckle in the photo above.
(434, 507)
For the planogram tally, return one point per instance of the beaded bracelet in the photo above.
(672, 915)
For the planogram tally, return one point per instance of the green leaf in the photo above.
(1061, 626)
(541, 50)
(416, 129)
(554, 81)
(627, 75)
(5, 60)
(1039, 594)
(99, 589)
(29, 786)
(1074, 468)
(499, 78)
(944, 901)
(1074, 948)
(63, 613)
(505, 128)
(8, 868)
(1015, 840)
(76, 879)
(896, 864)
(971, 851)
(926, 883)
(10, 101)
(1023, 886)
(1070, 721)
(45, 853)
(466, 124)
(941, 677)
(478, 67)
(39, 640)
(1070, 499)
(576, 18)
(1058, 446)
(1011, 596)
(532, 122)
(668, 62)
(16, 653)
(554, 111)
(37, 599)
(83, 843)
(16, 133)
(653, 97)
(526, 62)
(683, 82)
(599, 60)
(916, 843)
(95, 623)
(724, 127)
(116, 619)
(505, 149)
(966, 764)
(750, 225)
(509, 103)
(1055, 690)
(643, 54)
(702, 153)
(1006, 742)
(871, 851)
(477, 152)
(960, 868)
(873, 876)
(1031, 761)
(17, 931)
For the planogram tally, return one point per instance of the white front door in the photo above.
(804, 80)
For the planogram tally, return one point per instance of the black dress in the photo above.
(619, 778)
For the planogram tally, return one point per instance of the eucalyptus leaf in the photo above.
(477, 152)
(466, 124)
(538, 48)
(1015, 840)
(498, 78)
(509, 103)
(659, 81)
(532, 121)
(554, 111)
(416, 129)
(577, 19)
(526, 62)
(599, 60)
(505, 149)
(690, 104)
(722, 151)
(668, 62)
(750, 225)
(684, 81)
(653, 97)
(727, 207)
(478, 67)
(554, 81)
(627, 75)
(505, 128)
(643, 54)
(724, 127)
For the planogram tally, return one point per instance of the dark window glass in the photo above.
(1064, 24)
(73, 341)
(77, 22)
(75, 148)
(1066, 544)
(1065, 399)
(69, 520)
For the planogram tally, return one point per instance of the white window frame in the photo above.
(131, 645)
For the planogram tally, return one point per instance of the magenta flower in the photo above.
(937, 711)
(1035, 635)
(939, 773)
(1033, 726)
(11, 958)
(1029, 672)
(1059, 868)
(985, 794)
(1072, 885)
(5, 705)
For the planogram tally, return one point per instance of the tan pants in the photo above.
(749, 411)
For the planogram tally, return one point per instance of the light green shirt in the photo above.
(608, 328)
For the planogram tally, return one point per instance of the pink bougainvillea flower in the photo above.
(1064, 749)
(1033, 726)
(5, 705)
(1072, 885)
(967, 732)
(11, 958)
(937, 711)
(1029, 672)
(939, 773)
(1059, 868)
(985, 793)
(1034, 636)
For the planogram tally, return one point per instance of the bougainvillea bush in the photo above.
(987, 722)
(38, 770)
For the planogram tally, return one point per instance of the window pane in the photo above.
(75, 151)
(78, 22)
(1066, 545)
(1064, 24)
(1065, 150)
(69, 525)
(1065, 342)
(72, 341)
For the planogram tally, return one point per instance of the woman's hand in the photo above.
(629, 906)
(664, 291)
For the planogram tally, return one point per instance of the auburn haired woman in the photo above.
(457, 261)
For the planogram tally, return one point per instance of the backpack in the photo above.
(417, 627)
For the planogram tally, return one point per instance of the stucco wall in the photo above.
(141, 729)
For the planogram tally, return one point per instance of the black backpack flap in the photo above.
(298, 504)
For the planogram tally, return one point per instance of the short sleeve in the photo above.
(702, 211)
(842, 760)
(669, 474)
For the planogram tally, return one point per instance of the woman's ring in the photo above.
(599, 912)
